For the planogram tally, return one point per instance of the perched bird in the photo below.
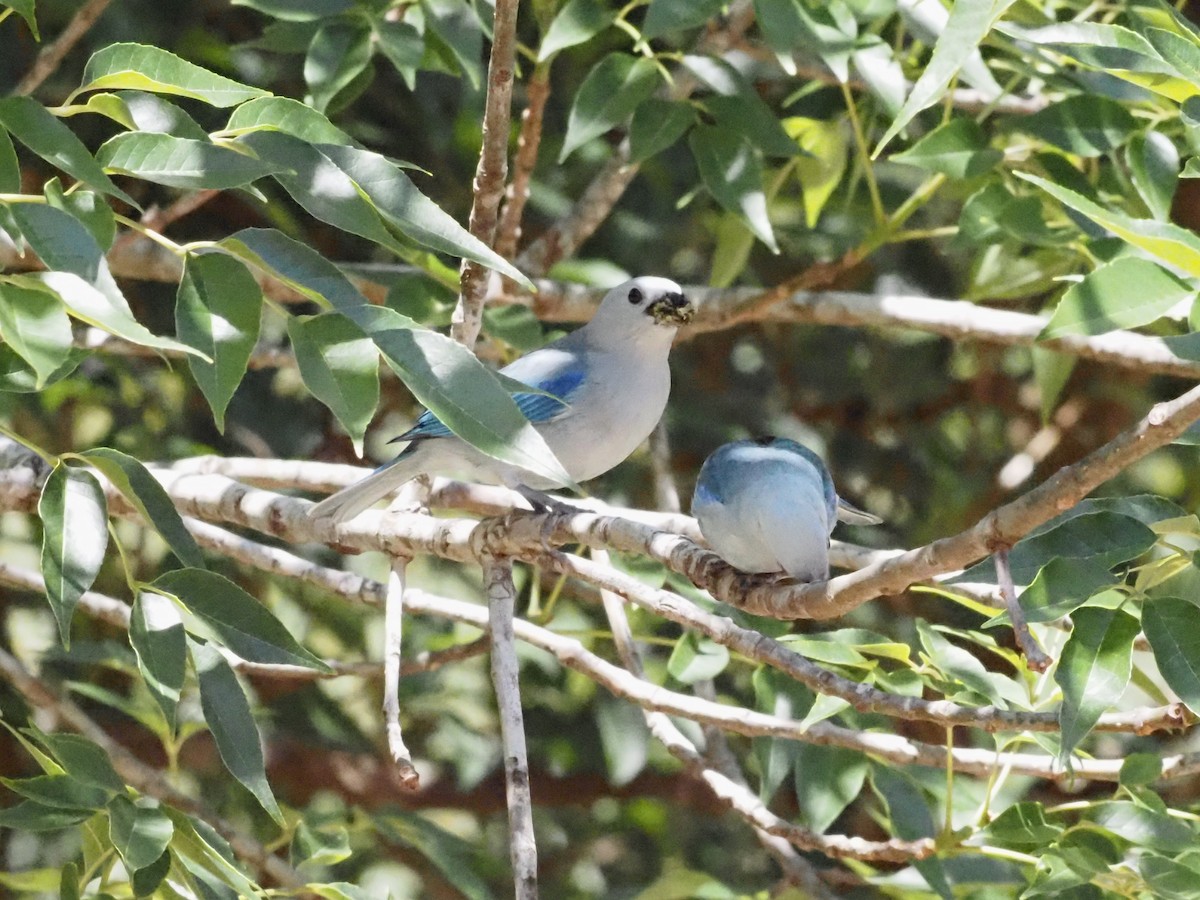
(769, 505)
(609, 382)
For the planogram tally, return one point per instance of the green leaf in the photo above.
(140, 831)
(35, 324)
(410, 212)
(1093, 670)
(1172, 627)
(217, 311)
(782, 26)
(1084, 124)
(30, 816)
(624, 738)
(295, 264)
(908, 810)
(958, 149)
(1173, 245)
(74, 517)
(968, 24)
(146, 880)
(89, 208)
(26, 10)
(454, 33)
(778, 695)
(403, 46)
(243, 624)
(1144, 827)
(59, 791)
(1139, 769)
(820, 171)
(1169, 879)
(181, 162)
(83, 760)
(732, 172)
(1090, 532)
(747, 115)
(319, 847)
(227, 713)
(298, 10)
(157, 636)
(962, 666)
(286, 115)
(141, 67)
(30, 123)
(151, 113)
(339, 52)
(1126, 293)
(676, 15)
(578, 21)
(612, 90)
(142, 489)
(1023, 825)
(697, 659)
(202, 850)
(828, 779)
(1154, 167)
(451, 382)
(1061, 587)
(656, 125)
(340, 366)
(10, 166)
(457, 860)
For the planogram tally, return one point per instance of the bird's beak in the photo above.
(671, 309)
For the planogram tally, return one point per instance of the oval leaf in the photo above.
(139, 831)
(243, 624)
(144, 68)
(217, 311)
(231, 723)
(142, 489)
(74, 539)
(1093, 670)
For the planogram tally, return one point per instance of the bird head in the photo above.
(648, 300)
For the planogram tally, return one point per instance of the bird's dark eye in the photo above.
(635, 296)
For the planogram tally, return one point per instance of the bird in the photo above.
(600, 392)
(768, 505)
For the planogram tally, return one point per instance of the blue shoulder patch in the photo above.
(535, 407)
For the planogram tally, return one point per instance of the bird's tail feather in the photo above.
(350, 501)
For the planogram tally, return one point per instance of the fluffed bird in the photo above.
(769, 505)
(605, 388)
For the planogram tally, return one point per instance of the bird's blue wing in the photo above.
(559, 382)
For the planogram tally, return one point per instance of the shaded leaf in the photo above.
(340, 366)
(243, 624)
(30, 816)
(1154, 167)
(339, 52)
(624, 738)
(732, 172)
(656, 125)
(958, 149)
(74, 517)
(1172, 627)
(676, 15)
(1083, 124)
(610, 93)
(1126, 293)
(403, 46)
(227, 713)
(295, 264)
(83, 760)
(1023, 825)
(10, 166)
(578, 21)
(58, 791)
(30, 123)
(828, 779)
(217, 311)
(140, 831)
(1143, 826)
(697, 659)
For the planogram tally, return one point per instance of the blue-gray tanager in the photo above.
(769, 505)
(609, 382)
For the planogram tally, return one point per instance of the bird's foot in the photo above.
(541, 502)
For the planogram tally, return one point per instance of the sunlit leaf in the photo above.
(340, 366)
(139, 830)
(35, 324)
(181, 162)
(1126, 293)
(1172, 627)
(157, 636)
(142, 67)
(732, 172)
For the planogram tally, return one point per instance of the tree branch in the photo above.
(52, 54)
(528, 143)
(491, 172)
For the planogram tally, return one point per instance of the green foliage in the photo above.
(1034, 162)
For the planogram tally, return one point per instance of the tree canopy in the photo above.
(950, 247)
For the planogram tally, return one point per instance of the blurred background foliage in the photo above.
(929, 432)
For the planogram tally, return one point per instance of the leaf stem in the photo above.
(864, 157)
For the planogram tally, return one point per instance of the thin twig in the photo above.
(796, 869)
(502, 598)
(537, 92)
(406, 772)
(666, 493)
(52, 54)
(142, 777)
(491, 172)
(1035, 657)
